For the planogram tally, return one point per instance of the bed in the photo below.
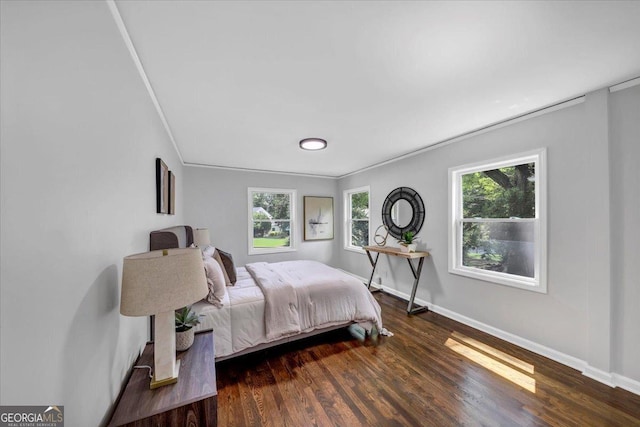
(275, 303)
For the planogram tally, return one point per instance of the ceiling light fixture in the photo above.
(313, 144)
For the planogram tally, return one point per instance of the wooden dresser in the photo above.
(192, 401)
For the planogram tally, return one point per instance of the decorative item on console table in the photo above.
(381, 240)
(186, 319)
(406, 242)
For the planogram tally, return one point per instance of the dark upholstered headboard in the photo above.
(180, 236)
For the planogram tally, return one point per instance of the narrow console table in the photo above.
(192, 401)
(420, 256)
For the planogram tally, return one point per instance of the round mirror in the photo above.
(403, 211)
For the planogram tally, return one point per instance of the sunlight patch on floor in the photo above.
(493, 360)
(513, 361)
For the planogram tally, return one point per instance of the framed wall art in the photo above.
(172, 193)
(318, 218)
(162, 187)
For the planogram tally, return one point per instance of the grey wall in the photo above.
(79, 140)
(625, 204)
(575, 316)
(217, 199)
(588, 312)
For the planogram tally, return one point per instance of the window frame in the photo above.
(539, 282)
(292, 218)
(347, 200)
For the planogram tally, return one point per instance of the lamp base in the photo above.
(165, 381)
(165, 368)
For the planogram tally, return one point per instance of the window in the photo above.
(271, 220)
(356, 204)
(498, 221)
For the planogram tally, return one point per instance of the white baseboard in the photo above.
(540, 349)
(608, 378)
(599, 375)
(626, 383)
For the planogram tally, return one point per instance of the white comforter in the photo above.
(301, 296)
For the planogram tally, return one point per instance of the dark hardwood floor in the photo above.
(432, 372)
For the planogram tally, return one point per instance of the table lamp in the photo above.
(157, 283)
(201, 237)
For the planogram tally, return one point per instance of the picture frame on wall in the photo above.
(318, 218)
(172, 193)
(162, 187)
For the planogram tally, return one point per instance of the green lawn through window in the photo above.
(270, 242)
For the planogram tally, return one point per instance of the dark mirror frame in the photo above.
(417, 206)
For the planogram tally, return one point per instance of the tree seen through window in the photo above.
(271, 219)
(359, 219)
(494, 202)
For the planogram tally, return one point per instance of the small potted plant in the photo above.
(406, 242)
(186, 319)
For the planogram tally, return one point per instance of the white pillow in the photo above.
(216, 282)
(208, 251)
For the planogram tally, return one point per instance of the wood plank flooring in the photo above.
(432, 372)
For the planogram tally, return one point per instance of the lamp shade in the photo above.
(201, 237)
(153, 283)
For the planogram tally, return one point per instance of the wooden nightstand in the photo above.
(192, 401)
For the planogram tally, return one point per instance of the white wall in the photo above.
(625, 203)
(217, 199)
(78, 146)
(575, 317)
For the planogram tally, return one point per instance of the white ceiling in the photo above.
(240, 83)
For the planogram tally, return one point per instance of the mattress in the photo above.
(239, 323)
(323, 299)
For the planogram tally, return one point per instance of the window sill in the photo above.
(501, 279)
(265, 251)
(357, 250)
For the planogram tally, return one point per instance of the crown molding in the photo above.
(136, 60)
